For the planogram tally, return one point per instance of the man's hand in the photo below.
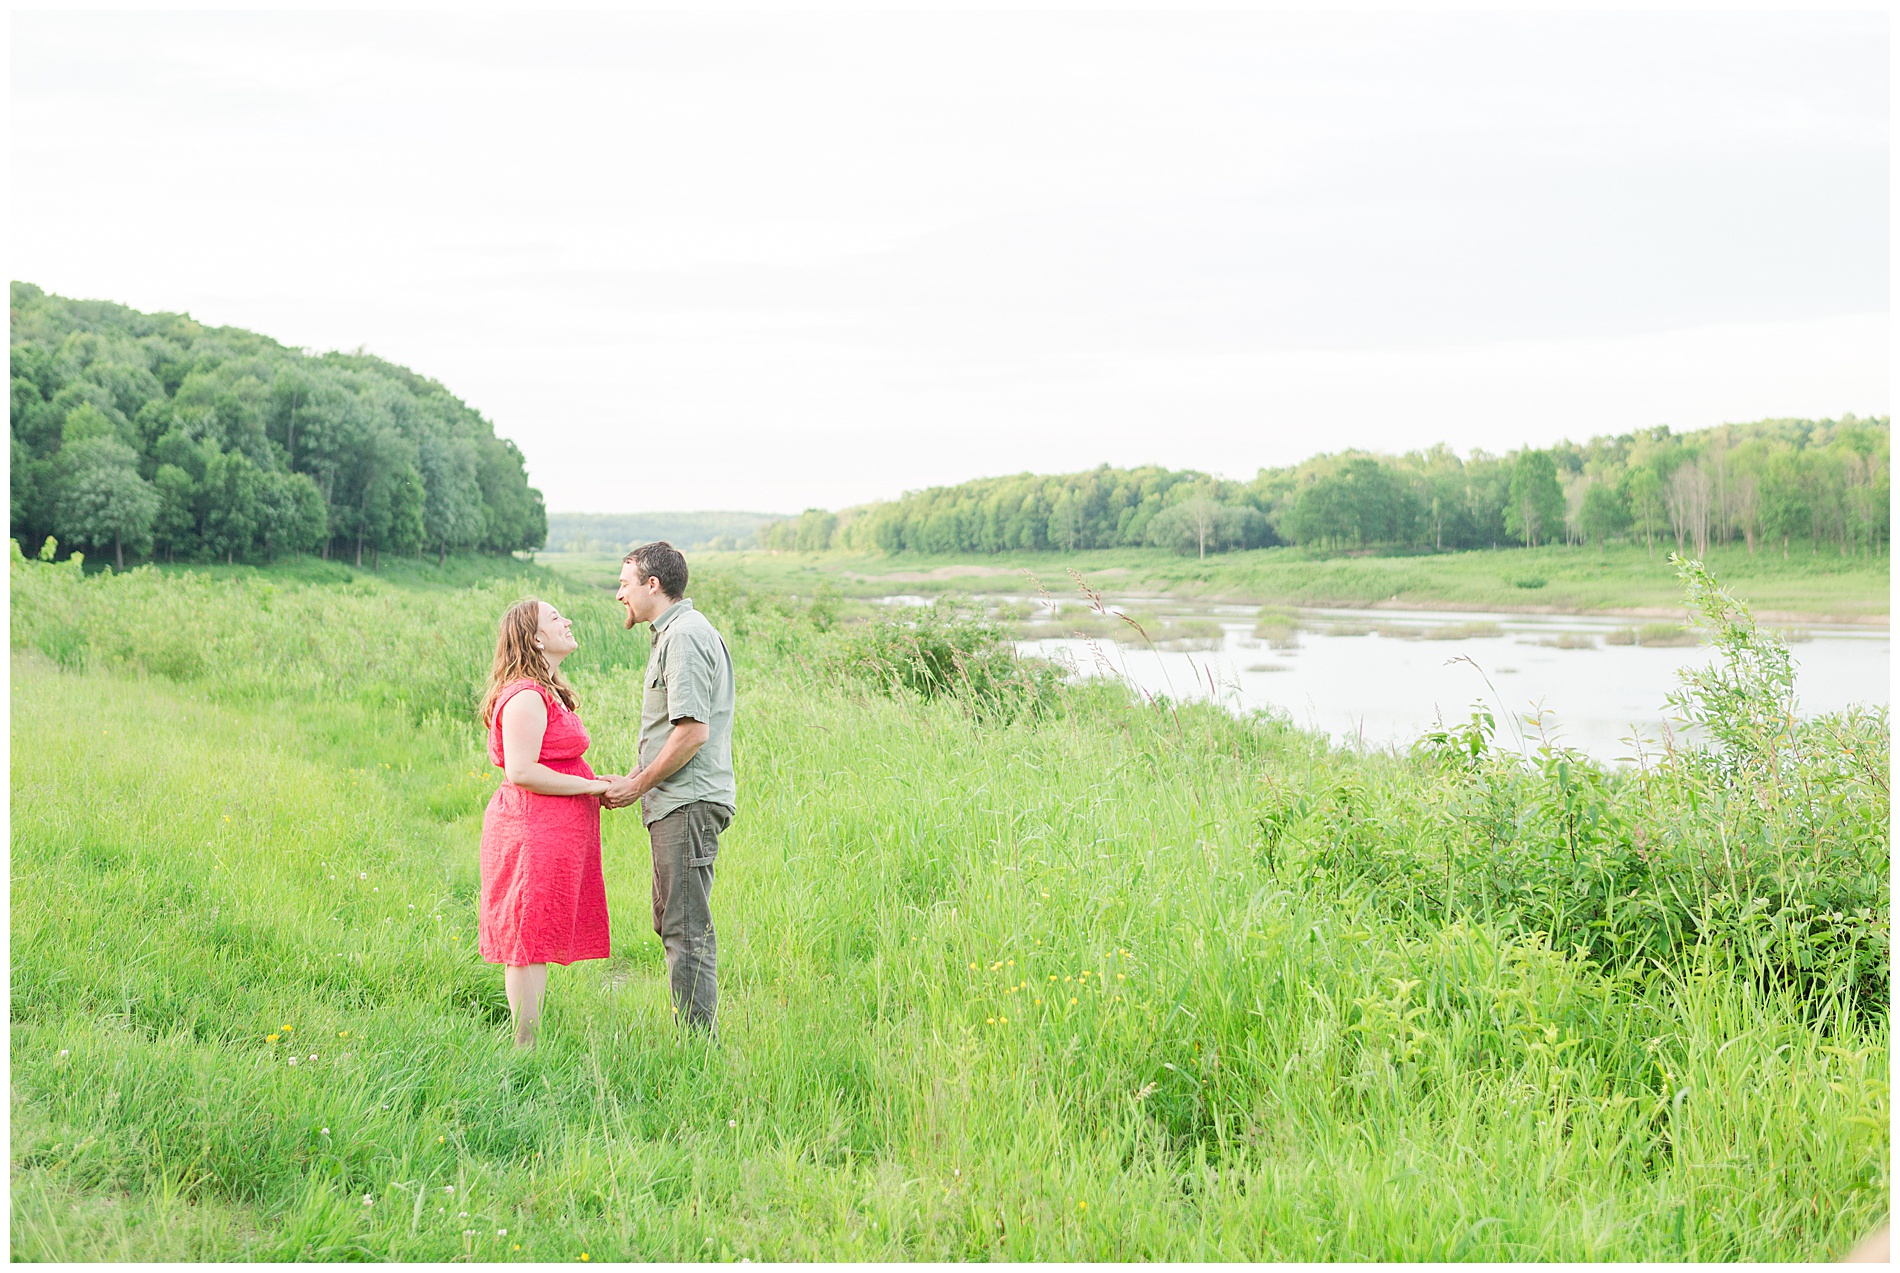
(622, 792)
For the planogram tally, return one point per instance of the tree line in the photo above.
(1781, 483)
(153, 435)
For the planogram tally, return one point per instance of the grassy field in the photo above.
(1566, 580)
(1089, 979)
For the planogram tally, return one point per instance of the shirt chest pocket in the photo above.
(655, 701)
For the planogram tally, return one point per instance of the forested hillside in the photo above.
(151, 434)
(1790, 485)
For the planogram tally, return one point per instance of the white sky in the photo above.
(767, 262)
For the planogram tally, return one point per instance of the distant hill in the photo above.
(141, 434)
(617, 532)
(1777, 482)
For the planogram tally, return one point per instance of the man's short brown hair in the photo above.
(660, 560)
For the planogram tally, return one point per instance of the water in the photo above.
(1382, 678)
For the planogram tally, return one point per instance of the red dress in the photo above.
(543, 899)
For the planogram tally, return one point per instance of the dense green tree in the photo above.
(1782, 499)
(102, 499)
(1536, 510)
(1605, 513)
(290, 513)
(175, 528)
(229, 498)
(452, 494)
(1643, 496)
(1359, 502)
(1200, 524)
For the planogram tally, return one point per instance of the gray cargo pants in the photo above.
(685, 846)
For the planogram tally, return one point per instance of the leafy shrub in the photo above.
(942, 651)
(1766, 848)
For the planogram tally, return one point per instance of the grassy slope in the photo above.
(1575, 579)
(460, 571)
(881, 1092)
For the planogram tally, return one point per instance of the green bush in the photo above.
(944, 651)
(1766, 848)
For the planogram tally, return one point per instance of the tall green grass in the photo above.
(1029, 985)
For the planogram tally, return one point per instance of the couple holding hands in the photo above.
(544, 900)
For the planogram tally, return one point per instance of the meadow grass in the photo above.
(1559, 579)
(1025, 990)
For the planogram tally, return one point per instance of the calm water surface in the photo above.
(1381, 678)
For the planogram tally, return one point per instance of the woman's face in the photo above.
(555, 633)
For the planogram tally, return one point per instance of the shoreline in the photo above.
(1619, 612)
(1578, 586)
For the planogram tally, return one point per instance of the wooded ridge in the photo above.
(1819, 484)
(152, 434)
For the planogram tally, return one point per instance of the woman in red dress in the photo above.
(543, 900)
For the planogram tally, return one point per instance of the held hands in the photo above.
(621, 792)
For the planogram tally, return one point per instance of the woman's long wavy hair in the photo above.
(518, 658)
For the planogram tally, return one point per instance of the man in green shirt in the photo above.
(684, 784)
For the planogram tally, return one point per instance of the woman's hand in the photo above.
(623, 792)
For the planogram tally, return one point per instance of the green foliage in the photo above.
(1100, 508)
(941, 651)
(1605, 513)
(1745, 704)
(102, 500)
(1359, 503)
(1766, 849)
(251, 450)
(811, 531)
(1199, 973)
(1536, 509)
(1819, 482)
(1199, 525)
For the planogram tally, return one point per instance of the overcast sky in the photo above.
(775, 262)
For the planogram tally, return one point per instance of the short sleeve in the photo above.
(689, 679)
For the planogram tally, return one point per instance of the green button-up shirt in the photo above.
(689, 676)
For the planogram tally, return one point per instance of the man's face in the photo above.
(642, 598)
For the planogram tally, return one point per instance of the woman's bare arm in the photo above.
(524, 723)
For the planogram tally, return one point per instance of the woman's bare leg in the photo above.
(526, 984)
